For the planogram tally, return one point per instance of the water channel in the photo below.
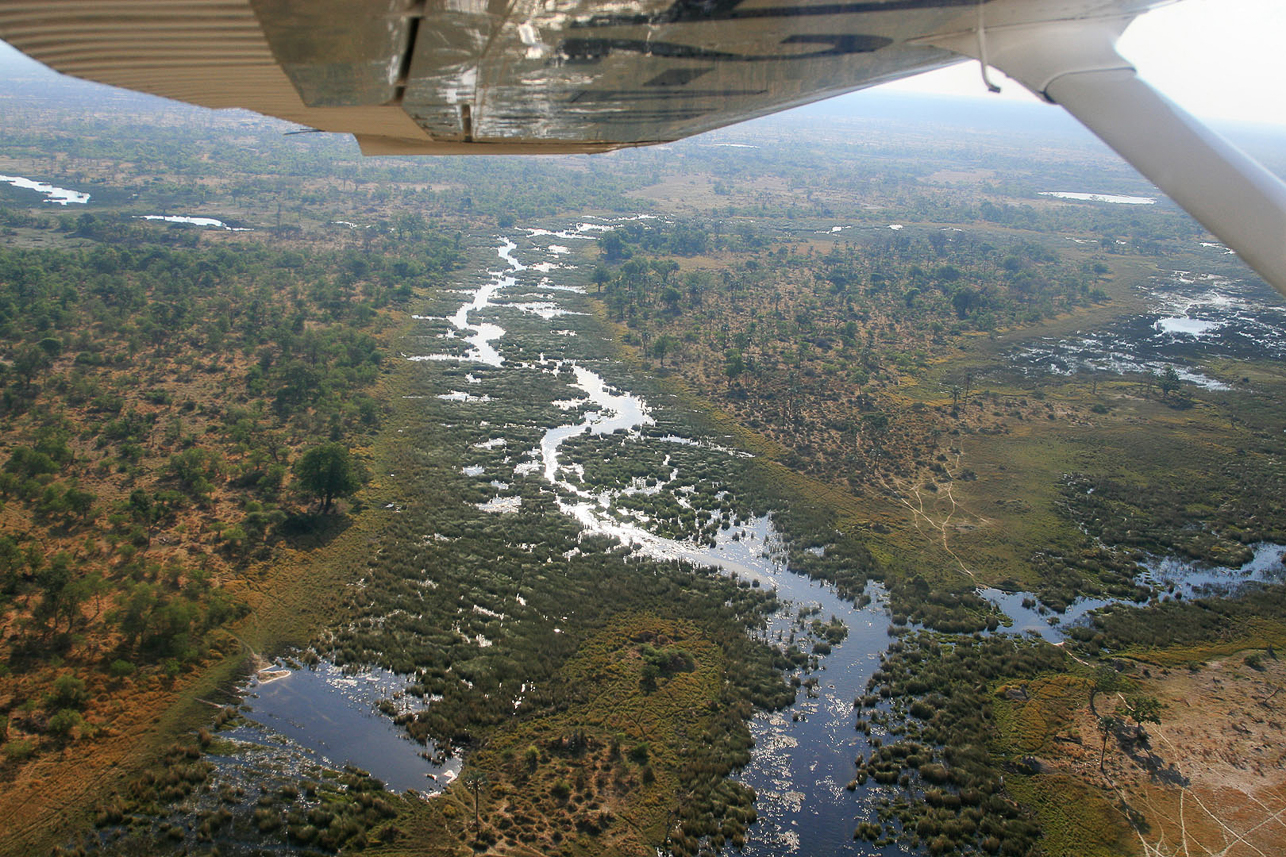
(57, 195)
(804, 755)
(188, 220)
(65, 196)
(1114, 198)
(1168, 577)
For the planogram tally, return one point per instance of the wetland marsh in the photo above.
(814, 490)
(639, 481)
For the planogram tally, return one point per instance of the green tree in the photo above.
(1105, 680)
(663, 346)
(51, 346)
(601, 277)
(733, 364)
(877, 420)
(80, 503)
(613, 247)
(327, 472)
(1143, 709)
(57, 597)
(671, 297)
(29, 363)
(1168, 381)
(1106, 726)
(475, 781)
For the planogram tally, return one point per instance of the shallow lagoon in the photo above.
(332, 715)
(1191, 318)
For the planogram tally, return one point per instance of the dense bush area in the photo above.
(1211, 516)
(1199, 623)
(154, 391)
(934, 693)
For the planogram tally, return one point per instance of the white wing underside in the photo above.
(557, 76)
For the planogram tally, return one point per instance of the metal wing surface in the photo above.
(438, 76)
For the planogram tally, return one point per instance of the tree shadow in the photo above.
(311, 530)
(1136, 818)
(29, 652)
(1139, 749)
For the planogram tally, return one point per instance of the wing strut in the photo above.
(1075, 64)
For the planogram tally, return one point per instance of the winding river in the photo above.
(804, 755)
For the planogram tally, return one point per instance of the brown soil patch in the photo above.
(1210, 779)
(1223, 733)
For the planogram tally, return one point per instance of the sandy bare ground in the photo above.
(1213, 781)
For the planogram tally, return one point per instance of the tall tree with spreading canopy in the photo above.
(327, 472)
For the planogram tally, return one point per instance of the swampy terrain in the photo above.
(823, 486)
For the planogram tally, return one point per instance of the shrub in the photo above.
(18, 751)
(195, 469)
(121, 668)
(64, 721)
(69, 692)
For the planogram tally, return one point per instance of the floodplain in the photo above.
(726, 496)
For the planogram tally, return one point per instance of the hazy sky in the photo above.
(1218, 59)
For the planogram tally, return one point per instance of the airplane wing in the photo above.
(557, 76)
(456, 76)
